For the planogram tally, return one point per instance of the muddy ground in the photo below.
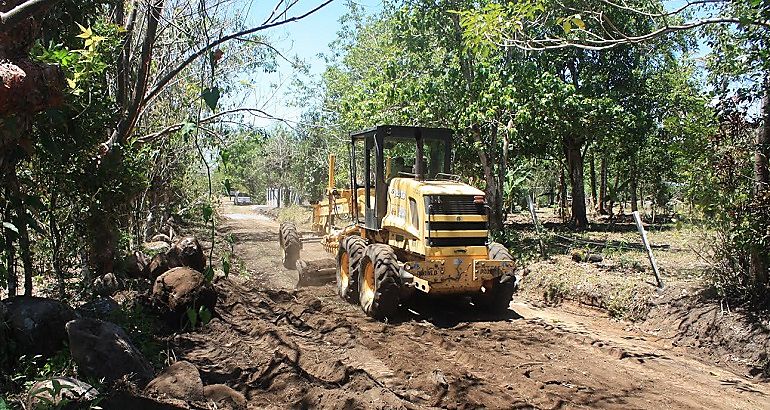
(306, 348)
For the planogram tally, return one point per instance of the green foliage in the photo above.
(197, 317)
(144, 330)
(211, 96)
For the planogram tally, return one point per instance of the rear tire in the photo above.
(378, 282)
(499, 291)
(349, 257)
(290, 244)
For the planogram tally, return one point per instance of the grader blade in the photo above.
(317, 272)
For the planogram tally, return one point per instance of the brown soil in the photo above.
(307, 348)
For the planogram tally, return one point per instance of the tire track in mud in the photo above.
(307, 348)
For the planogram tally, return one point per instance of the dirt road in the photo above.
(307, 348)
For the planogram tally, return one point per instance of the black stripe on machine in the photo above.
(456, 226)
(439, 242)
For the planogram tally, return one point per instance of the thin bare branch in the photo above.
(176, 127)
(170, 75)
(22, 12)
(596, 45)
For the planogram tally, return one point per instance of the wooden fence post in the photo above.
(646, 243)
(531, 204)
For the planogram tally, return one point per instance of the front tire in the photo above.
(498, 292)
(290, 244)
(378, 282)
(349, 257)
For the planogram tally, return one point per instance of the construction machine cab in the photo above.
(373, 164)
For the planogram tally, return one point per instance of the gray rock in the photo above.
(36, 326)
(60, 392)
(180, 288)
(187, 252)
(103, 350)
(181, 381)
(101, 308)
(156, 247)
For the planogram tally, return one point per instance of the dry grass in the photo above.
(298, 214)
(623, 283)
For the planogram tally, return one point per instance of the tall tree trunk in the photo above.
(562, 195)
(10, 256)
(759, 262)
(633, 187)
(611, 207)
(21, 224)
(56, 244)
(593, 180)
(575, 164)
(493, 191)
(602, 187)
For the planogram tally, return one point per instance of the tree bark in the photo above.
(593, 180)
(56, 244)
(575, 164)
(21, 224)
(562, 195)
(493, 191)
(131, 113)
(10, 260)
(602, 187)
(633, 187)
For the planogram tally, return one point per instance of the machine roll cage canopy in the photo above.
(374, 139)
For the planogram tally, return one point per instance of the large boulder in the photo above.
(156, 247)
(224, 397)
(37, 325)
(187, 252)
(182, 287)
(61, 393)
(103, 350)
(181, 380)
(179, 289)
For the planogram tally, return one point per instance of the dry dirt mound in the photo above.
(276, 347)
(308, 349)
(732, 337)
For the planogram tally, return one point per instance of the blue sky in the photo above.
(305, 39)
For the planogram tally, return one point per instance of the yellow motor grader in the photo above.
(405, 224)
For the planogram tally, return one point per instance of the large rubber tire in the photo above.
(290, 244)
(349, 257)
(498, 292)
(378, 282)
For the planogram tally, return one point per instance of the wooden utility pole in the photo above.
(646, 243)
